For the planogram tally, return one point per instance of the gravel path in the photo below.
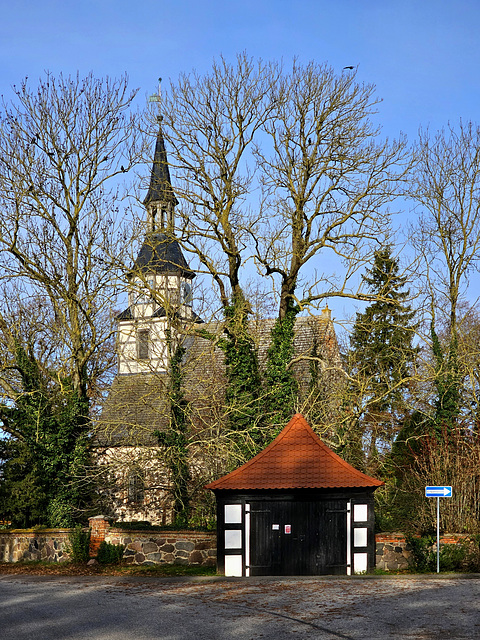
(121, 608)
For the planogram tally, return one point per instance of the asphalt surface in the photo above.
(121, 608)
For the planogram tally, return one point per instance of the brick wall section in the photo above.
(98, 531)
(392, 553)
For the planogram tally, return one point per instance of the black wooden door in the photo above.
(335, 537)
(298, 538)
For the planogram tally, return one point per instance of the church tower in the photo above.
(138, 403)
(160, 281)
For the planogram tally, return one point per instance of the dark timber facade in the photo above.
(295, 509)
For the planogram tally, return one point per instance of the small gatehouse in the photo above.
(296, 508)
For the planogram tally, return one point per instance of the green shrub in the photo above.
(472, 555)
(79, 544)
(453, 557)
(110, 553)
(421, 552)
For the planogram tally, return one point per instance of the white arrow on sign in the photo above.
(438, 492)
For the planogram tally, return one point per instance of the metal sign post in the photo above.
(438, 492)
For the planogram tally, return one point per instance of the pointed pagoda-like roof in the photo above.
(296, 459)
(160, 188)
(161, 254)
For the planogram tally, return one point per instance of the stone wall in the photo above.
(152, 547)
(172, 547)
(392, 552)
(167, 547)
(49, 545)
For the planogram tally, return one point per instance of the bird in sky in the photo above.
(350, 67)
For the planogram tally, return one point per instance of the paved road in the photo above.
(127, 608)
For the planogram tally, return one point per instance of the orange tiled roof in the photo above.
(296, 459)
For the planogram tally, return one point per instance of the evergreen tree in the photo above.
(175, 441)
(45, 455)
(381, 356)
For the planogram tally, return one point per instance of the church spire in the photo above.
(160, 200)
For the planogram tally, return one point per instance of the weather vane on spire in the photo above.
(157, 97)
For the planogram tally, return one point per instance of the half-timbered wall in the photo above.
(296, 533)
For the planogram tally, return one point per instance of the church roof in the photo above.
(160, 188)
(205, 377)
(296, 459)
(136, 406)
(160, 253)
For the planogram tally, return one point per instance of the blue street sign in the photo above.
(438, 492)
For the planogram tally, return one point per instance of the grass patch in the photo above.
(80, 569)
(169, 570)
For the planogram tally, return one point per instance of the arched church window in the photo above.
(136, 487)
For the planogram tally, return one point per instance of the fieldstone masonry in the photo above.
(173, 548)
(392, 552)
(149, 548)
(25, 545)
(167, 547)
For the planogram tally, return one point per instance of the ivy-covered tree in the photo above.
(381, 358)
(175, 440)
(304, 140)
(45, 450)
(281, 386)
(447, 383)
(243, 415)
(65, 142)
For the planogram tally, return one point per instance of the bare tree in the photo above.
(327, 180)
(307, 137)
(281, 168)
(65, 146)
(62, 145)
(210, 124)
(446, 186)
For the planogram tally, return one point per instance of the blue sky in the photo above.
(423, 55)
